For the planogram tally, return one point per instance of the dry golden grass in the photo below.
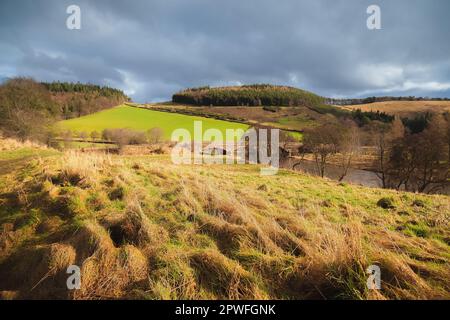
(141, 227)
(9, 144)
(403, 107)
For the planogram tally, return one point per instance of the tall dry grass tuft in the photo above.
(107, 271)
(334, 263)
(224, 277)
(9, 144)
(399, 281)
(134, 227)
(224, 215)
(39, 271)
(172, 276)
(77, 168)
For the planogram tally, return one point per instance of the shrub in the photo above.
(124, 136)
(386, 203)
(271, 108)
(95, 135)
(418, 203)
(155, 135)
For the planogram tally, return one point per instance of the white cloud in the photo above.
(410, 86)
(381, 76)
(426, 86)
(389, 79)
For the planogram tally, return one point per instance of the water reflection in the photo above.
(354, 176)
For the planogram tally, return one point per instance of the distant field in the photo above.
(403, 107)
(141, 119)
(291, 118)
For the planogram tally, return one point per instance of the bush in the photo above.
(418, 203)
(271, 108)
(155, 135)
(418, 123)
(364, 117)
(386, 203)
(124, 136)
(95, 135)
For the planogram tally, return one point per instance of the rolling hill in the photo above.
(248, 95)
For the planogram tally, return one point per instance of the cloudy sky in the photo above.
(153, 48)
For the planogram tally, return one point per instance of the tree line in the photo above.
(248, 95)
(345, 102)
(103, 91)
(363, 118)
(79, 99)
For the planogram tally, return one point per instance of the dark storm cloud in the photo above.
(153, 48)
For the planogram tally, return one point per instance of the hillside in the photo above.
(248, 95)
(289, 118)
(140, 119)
(79, 99)
(142, 227)
(29, 108)
(403, 108)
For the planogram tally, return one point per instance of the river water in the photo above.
(354, 176)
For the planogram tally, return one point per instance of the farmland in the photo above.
(140, 119)
(289, 118)
(403, 108)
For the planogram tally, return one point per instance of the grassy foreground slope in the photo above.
(141, 119)
(145, 228)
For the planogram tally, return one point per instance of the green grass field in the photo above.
(140, 119)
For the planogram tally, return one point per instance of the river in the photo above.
(354, 176)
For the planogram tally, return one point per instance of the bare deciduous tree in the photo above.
(323, 142)
(415, 161)
(155, 135)
(95, 135)
(381, 140)
(349, 147)
(83, 135)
